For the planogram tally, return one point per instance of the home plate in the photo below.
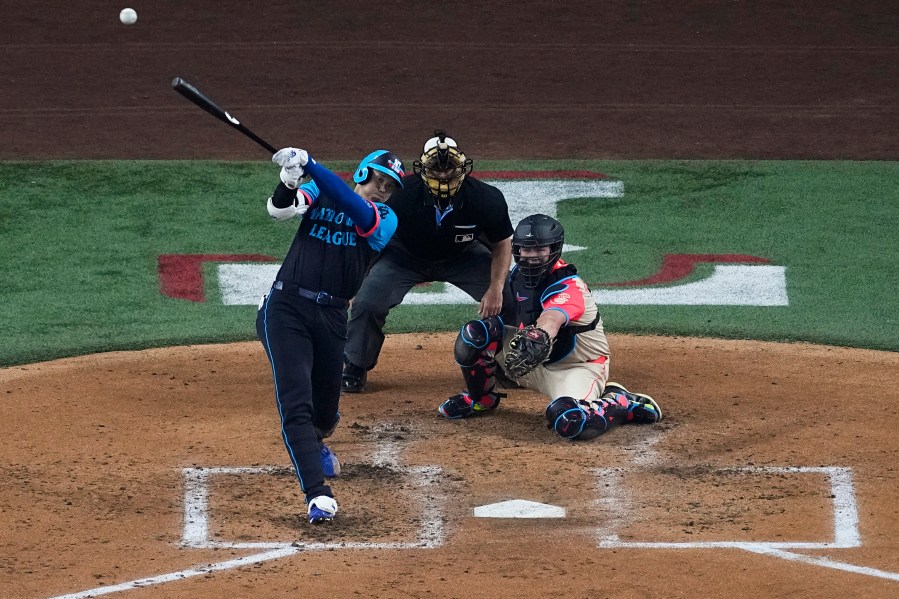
(519, 508)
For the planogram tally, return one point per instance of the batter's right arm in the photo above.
(286, 203)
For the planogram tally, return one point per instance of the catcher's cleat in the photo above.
(354, 378)
(641, 409)
(321, 509)
(330, 463)
(460, 405)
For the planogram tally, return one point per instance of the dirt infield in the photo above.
(105, 453)
(773, 473)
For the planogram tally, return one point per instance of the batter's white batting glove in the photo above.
(298, 208)
(291, 161)
(290, 157)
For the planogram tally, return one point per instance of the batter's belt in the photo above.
(319, 297)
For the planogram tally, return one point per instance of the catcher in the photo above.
(549, 338)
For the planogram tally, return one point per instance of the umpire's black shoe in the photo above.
(353, 378)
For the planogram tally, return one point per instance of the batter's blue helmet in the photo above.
(380, 160)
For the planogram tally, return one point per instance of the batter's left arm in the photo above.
(492, 302)
(363, 213)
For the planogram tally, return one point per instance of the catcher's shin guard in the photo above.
(474, 350)
(573, 419)
(641, 409)
(476, 337)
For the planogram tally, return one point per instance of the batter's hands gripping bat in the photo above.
(200, 99)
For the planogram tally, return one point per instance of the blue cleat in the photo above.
(330, 463)
(322, 509)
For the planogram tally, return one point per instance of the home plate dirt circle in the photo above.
(162, 474)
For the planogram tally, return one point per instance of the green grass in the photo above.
(79, 243)
(831, 224)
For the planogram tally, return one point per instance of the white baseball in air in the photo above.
(128, 16)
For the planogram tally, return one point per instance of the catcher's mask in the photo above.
(442, 166)
(383, 161)
(537, 231)
(566, 417)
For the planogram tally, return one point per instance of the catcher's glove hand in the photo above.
(528, 349)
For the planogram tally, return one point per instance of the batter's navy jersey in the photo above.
(433, 234)
(329, 253)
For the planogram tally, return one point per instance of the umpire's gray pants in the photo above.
(391, 277)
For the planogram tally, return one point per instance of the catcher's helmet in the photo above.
(537, 231)
(383, 161)
(442, 166)
(566, 417)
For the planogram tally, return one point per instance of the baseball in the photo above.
(128, 16)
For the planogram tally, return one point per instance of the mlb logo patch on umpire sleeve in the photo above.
(465, 238)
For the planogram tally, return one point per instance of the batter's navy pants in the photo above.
(304, 342)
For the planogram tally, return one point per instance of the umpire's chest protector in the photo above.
(427, 232)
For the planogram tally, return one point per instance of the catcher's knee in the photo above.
(571, 421)
(475, 337)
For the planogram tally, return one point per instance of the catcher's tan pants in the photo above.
(568, 377)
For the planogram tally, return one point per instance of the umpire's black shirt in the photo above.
(429, 233)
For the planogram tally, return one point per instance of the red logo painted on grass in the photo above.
(181, 275)
(681, 266)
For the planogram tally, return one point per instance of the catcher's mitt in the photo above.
(528, 349)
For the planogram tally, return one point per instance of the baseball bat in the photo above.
(203, 101)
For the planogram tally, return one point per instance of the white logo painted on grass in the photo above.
(728, 285)
(530, 197)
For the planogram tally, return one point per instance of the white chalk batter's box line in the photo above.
(196, 512)
(845, 522)
(432, 535)
(845, 513)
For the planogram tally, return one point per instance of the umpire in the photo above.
(452, 228)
